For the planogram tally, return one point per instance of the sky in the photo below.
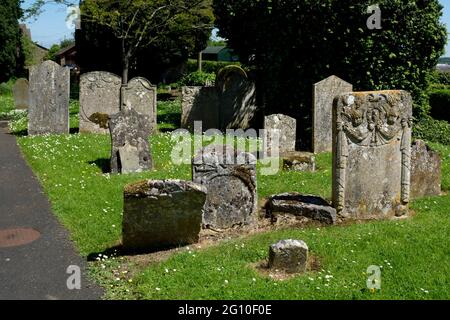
(51, 26)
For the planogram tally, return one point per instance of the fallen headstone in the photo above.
(299, 161)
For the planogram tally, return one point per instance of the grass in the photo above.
(414, 253)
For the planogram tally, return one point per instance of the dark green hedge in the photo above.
(440, 104)
(432, 130)
(208, 66)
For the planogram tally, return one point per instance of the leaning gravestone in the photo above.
(425, 171)
(161, 214)
(287, 127)
(324, 93)
(372, 154)
(49, 99)
(21, 92)
(99, 99)
(130, 152)
(141, 94)
(230, 177)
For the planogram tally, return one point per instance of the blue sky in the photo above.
(51, 28)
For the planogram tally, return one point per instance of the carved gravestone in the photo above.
(425, 171)
(372, 154)
(161, 214)
(99, 99)
(141, 94)
(287, 127)
(237, 98)
(49, 99)
(21, 92)
(324, 93)
(230, 177)
(199, 104)
(130, 151)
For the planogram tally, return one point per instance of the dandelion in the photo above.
(226, 281)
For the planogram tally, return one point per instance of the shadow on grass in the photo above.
(103, 163)
(120, 250)
(173, 119)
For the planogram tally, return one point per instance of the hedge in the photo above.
(440, 104)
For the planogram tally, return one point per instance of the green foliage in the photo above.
(294, 44)
(6, 87)
(432, 130)
(440, 104)
(12, 58)
(209, 66)
(51, 55)
(440, 78)
(198, 78)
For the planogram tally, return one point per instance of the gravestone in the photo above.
(299, 161)
(425, 171)
(324, 93)
(49, 99)
(141, 94)
(237, 98)
(372, 154)
(99, 99)
(290, 256)
(161, 214)
(287, 127)
(21, 92)
(230, 177)
(130, 151)
(199, 104)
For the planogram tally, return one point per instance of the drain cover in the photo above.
(17, 237)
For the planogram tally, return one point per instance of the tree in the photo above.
(54, 49)
(293, 44)
(12, 58)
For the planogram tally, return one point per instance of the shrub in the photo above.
(440, 104)
(198, 78)
(6, 87)
(432, 130)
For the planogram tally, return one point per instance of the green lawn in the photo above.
(414, 253)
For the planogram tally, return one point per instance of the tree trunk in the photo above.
(200, 61)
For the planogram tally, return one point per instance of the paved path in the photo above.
(35, 271)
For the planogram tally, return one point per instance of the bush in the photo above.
(440, 104)
(208, 66)
(198, 78)
(440, 78)
(6, 87)
(432, 130)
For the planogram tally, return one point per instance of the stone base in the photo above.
(299, 161)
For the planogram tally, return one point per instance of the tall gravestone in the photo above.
(21, 92)
(230, 178)
(425, 171)
(199, 104)
(99, 99)
(142, 96)
(372, 154)
(324, 93)
(49, 99)
(130, 150)
(287, 127)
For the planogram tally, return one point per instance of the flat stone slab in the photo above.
(299, 161)
(312, 207)
(290, 256)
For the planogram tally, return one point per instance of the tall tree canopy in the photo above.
(293, 44)
(11, 54)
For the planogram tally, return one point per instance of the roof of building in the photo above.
(213, 50)
(64, 50)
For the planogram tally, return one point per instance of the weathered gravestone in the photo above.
(372, 154)
(299, 161)
(230, 177)
(160, 214)
(130, 151)
(200, 104)
(21, 92)
(290, 256)
(99, 99)
(324, 93)
(425, 171)
(49, 99)
(287, 128)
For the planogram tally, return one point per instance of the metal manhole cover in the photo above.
(17, 237)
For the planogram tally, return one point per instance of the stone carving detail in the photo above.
(372, 126)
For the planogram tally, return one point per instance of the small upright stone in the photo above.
(290, 256)
(161, 214)
(21, 92)
(130, 151)
(287, 128)
(142, 96)
(299, 161)
(425, 171)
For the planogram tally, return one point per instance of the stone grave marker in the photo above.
(161, 214)
(230, 178)
(425, 171)
(290, 256)
(287, 127)
(49, 99)
(130, 152)
(324, 93)
(21, 92)
(143, 98)
(372, 154)
(199, 104)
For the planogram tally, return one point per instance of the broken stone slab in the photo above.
(299, 161)
(290, 256)
(309, 206)
(425, 171)
(162, 213)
